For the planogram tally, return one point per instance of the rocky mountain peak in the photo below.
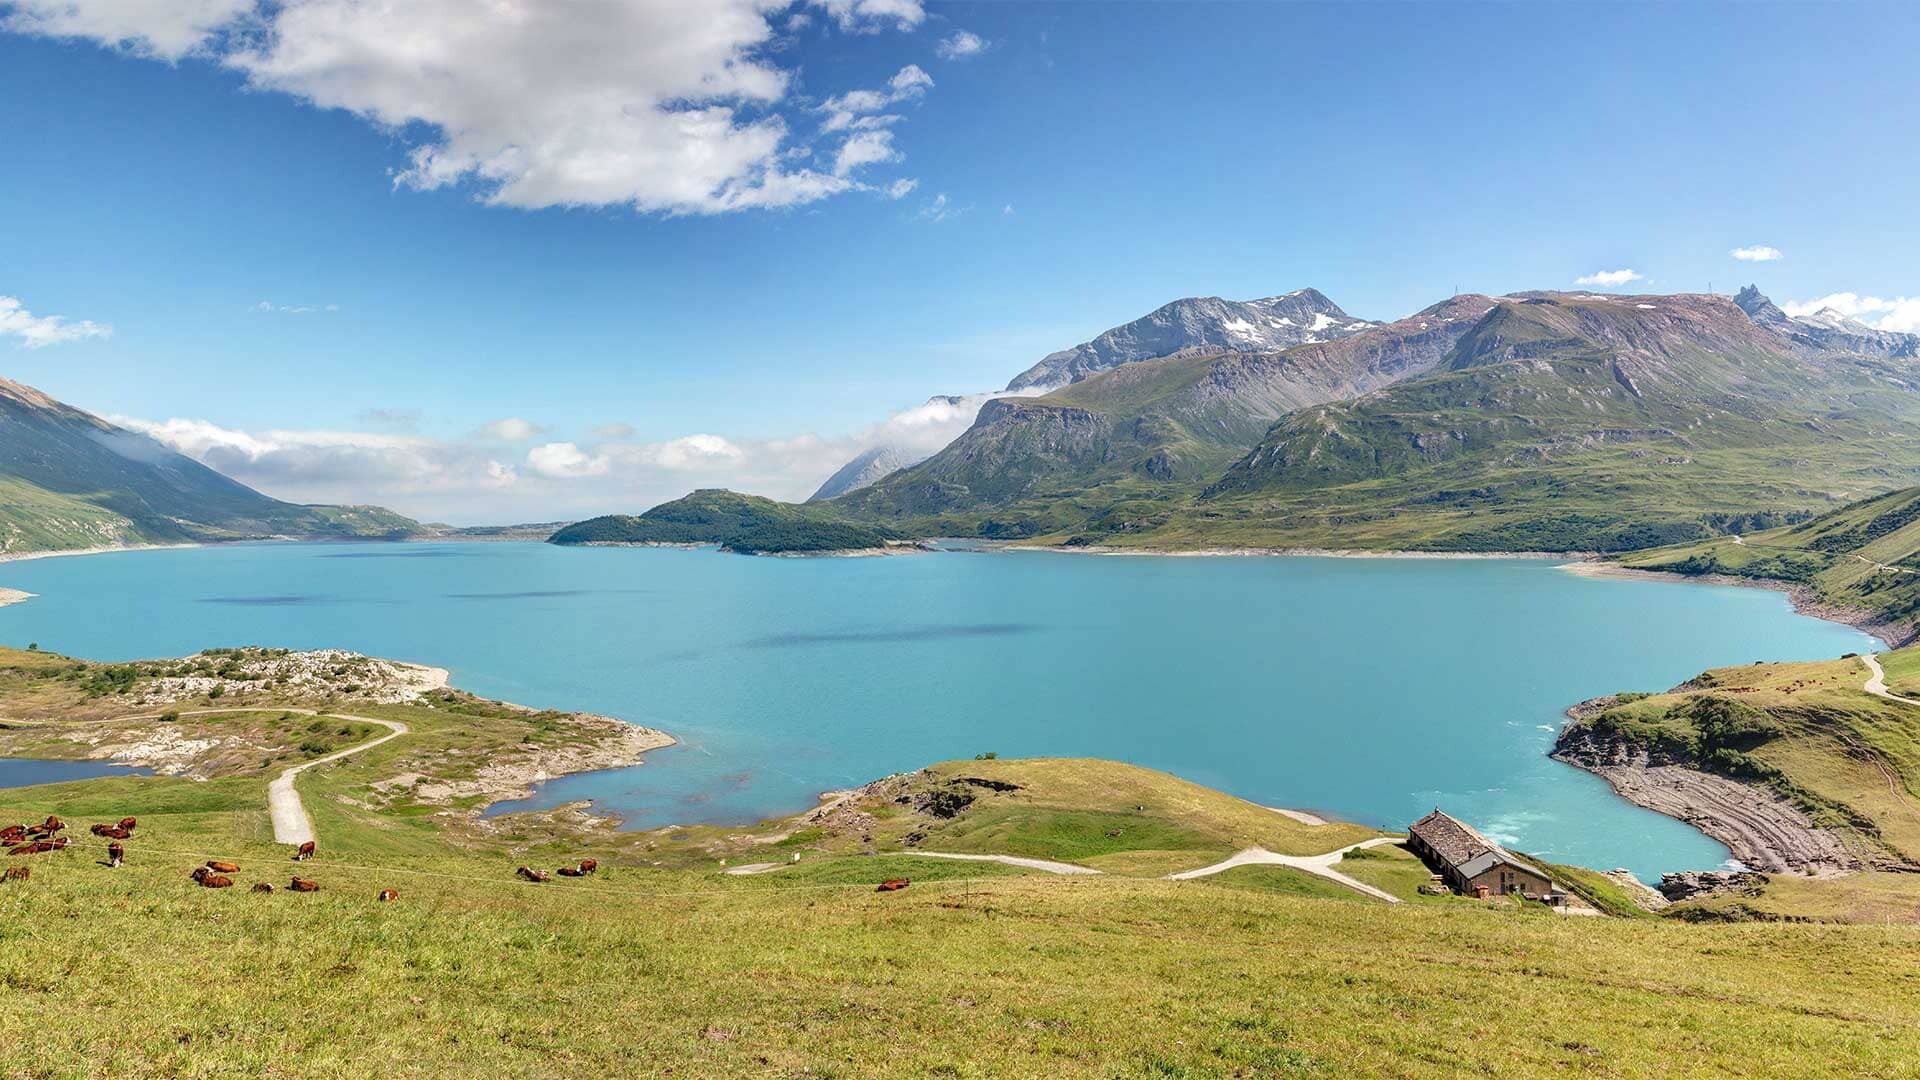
(1196, 324)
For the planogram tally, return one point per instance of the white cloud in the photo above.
(664, 106)
(868, 16)
(1756, 253)
(1901, 314)
(959, 45)
(566, 460)
(900, 189)
(39, 331)
(1608, 277)
(164, 29)
(863, 149)
(467, 479)
(294, 309)
(687, 453)
(510, 429)
(852, 109)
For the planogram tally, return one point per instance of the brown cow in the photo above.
(54, 844)
(531, 874)
(128, 823)
(18, 873)
(893, 885)
(588, 866)
(13, 834)
(115, 853)
(223, 867)
(217, 881)
(52, 825)
(117, 833)
(387, 895)
(261, 886)
(305, 852)
(570, 871)
(301, 884)
(97, 829)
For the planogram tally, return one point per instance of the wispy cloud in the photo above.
(1756, 253)
(665, 106)
(511, 429)
(959, 45)
(939, 208)
(1608, 277)
(294, 309)
(38, 331)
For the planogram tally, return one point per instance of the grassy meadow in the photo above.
(662, 963)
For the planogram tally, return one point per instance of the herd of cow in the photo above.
(585, 867)
(45, 836)
(35, 839)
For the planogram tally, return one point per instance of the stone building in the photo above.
(1473, 865)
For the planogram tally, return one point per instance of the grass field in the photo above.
(661, 964)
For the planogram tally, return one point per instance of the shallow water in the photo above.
(1372, 689)
(25, 772)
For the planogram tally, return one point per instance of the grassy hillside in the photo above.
(69, 479)
(662, 963)
(1865, 556)
(747, 524)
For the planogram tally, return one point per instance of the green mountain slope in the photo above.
(1865, 555)
(1124, 444)
(69, 479)
(744, 523)
(1569, 422)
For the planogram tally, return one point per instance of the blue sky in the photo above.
(623, 287)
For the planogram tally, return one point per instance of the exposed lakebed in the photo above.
(1371, 689)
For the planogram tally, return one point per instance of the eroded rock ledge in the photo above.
(1762, 829)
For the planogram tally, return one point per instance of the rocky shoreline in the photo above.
(1762, 829)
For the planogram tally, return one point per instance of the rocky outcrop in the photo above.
(1697, 884)
(1762, 829)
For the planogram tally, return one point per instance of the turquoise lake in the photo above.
(1371, 689)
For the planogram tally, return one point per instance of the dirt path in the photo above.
(1321, 865)
(1010, 860)
(291, 825)
(1877, 684)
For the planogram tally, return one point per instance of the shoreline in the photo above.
(27, 556)
(1891, 634)
(1309, 553)
(15, 596)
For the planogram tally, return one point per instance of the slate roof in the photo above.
(1462, 846)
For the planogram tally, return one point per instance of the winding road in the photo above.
(291, 825)
(1877, 684)
(1321, 865)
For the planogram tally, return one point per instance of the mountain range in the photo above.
(69, 479)
(1537, 420)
